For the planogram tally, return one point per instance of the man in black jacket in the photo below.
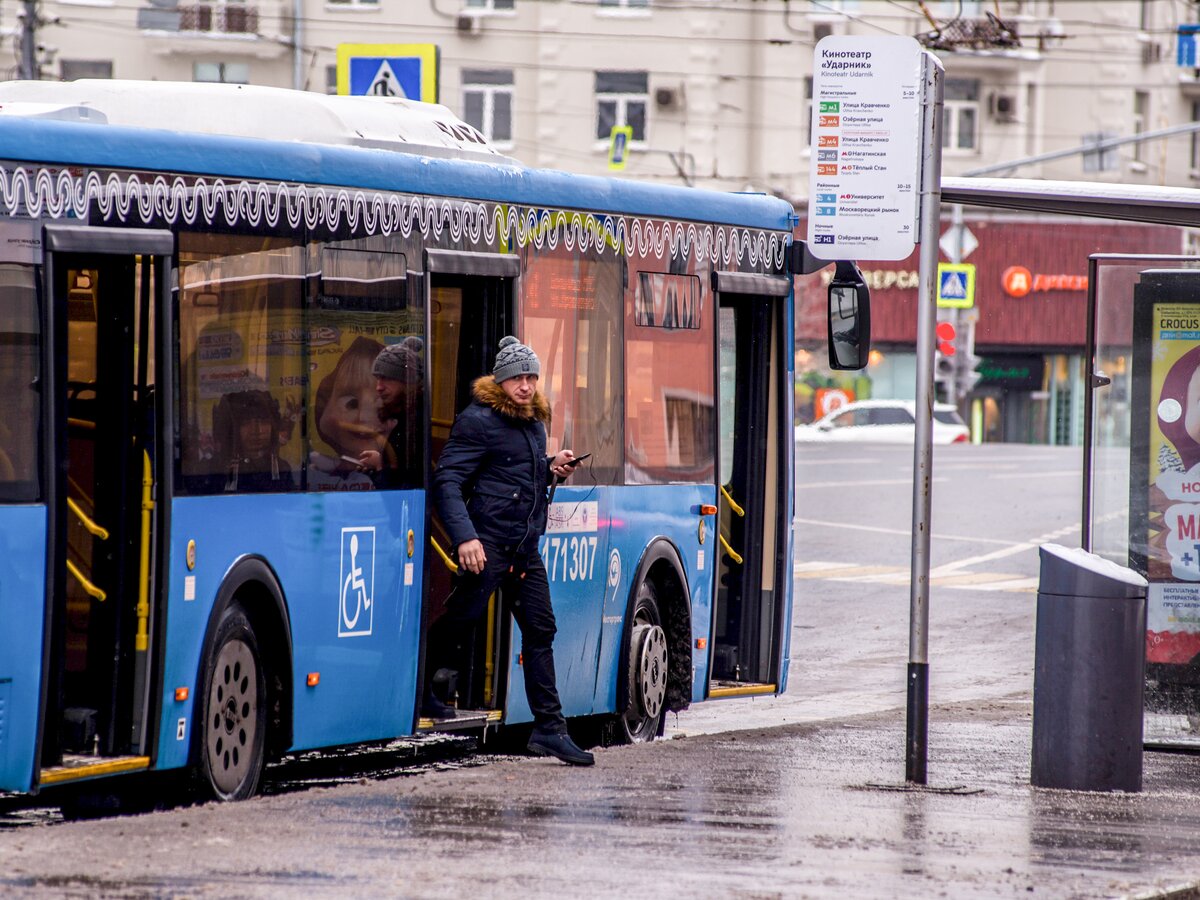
(490, 489)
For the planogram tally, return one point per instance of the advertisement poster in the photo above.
(1173, 501)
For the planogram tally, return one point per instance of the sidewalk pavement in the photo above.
(791, 811)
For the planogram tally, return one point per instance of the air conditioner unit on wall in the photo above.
(467, 24)
(822, 30)
(667, 97)
(1003, 107)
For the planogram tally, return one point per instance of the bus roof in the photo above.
(254, 111)
(218, 130)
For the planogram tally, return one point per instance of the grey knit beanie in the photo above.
(514, 359)
(403, 361)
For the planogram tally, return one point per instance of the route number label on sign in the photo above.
(866, 147)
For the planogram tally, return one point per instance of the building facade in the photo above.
(717, 93)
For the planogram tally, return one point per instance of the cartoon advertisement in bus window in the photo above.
(345, 418)
(1173, 547)
(246, 402)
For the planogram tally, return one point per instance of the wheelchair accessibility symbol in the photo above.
(356, 606)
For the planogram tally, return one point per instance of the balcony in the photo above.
(194, 27)
(226, 18)
(959, 34)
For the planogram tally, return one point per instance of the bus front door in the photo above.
(471, 306)
(750, 616)
(107, 305)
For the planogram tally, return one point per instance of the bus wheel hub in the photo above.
(651, 677)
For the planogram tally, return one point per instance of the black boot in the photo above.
(559, 746)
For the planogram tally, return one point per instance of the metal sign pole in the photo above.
(916, 737)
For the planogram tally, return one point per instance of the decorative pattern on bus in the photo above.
(59, 193)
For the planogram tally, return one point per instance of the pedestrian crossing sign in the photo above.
(389, 70)
(955, 285)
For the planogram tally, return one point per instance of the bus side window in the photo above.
(241, 371)
(363, 304)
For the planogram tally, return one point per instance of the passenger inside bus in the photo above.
(346, 413)
(247, 431)
(399, 371)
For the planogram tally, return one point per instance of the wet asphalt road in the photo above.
(729, 806)
(781, 812)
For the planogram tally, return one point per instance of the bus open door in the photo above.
(751, 614)
(107, 303)
(472, 306)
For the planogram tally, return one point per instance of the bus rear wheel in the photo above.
(233, 711)
(647, 671)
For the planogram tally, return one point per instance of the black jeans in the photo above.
(522, 578)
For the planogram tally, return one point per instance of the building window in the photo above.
(491, 5)
(221, 73)
(621, 99)
(70, 69)
(960, 118)
(623, 4)
(354, 4)
(487, 103)
(331, 79)
(1141, 116)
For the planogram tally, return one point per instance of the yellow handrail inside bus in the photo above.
(81, 423)
(91, 589)
(450, 564)
(733, 554)
(732, 504)
(142, 639)
(98, 530)
(489, 666)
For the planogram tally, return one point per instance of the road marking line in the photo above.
(897, 575)
(878, 482)
(1032, 544)
(854, 572)
(907, 532)
(1071, 473)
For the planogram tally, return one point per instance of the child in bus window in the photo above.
(346, 414)
(246, 429)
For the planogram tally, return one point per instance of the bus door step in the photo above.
(464, 721)
(79, 767)
(738, 689)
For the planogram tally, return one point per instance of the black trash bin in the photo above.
(1089, 673)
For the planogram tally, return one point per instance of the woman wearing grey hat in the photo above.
(491, 491)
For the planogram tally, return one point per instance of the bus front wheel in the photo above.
(234, 715)
(647, 671)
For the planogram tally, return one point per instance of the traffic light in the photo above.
(966, 363)
(943, 362)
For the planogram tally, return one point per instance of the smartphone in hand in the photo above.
(577, 460)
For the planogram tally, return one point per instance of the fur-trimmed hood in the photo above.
(487, 392)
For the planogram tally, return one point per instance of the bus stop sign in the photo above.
(865, 159)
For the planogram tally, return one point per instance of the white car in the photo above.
(886, 422)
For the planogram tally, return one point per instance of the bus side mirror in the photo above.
(849, 318)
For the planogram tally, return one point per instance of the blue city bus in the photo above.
(193, 573)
